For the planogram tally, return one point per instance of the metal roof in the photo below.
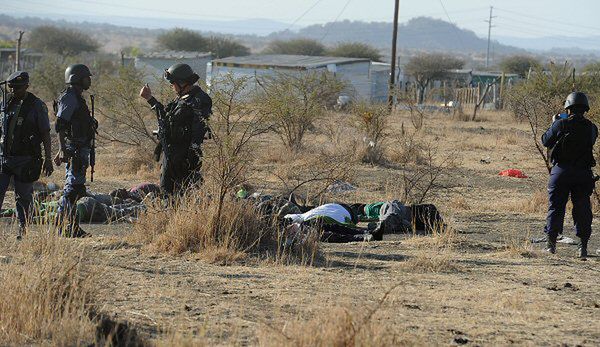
(175, 55)
(285, 61)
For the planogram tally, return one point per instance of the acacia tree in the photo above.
(223, 47)
(520, 64)
(426, 67)
(355, 50)
(180, 39)
(296, 47)
(61, 41)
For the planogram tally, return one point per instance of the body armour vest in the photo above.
(575, 146)
(82, 127)
(26, 139)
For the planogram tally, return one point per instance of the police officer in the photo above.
(571, 140)
(76, 128)
(25, 126)
(182, 127)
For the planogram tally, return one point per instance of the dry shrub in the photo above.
(292, 102)
(47, 292)
(195, 224)
(337, 327)
(408, 148)
(372, 122)
(313, 173)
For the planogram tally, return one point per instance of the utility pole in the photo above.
(18, 55)
(487, 57)
(392, 87)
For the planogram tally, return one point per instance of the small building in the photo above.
(153, 65)
(29, 59)
(380, 81)
(356, 71)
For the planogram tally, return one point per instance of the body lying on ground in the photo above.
(119, 205)
(339, 222)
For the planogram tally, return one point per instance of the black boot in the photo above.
(582, 252)
(22, 231)
(551, 244)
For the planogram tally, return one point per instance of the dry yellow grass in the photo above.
(48, 288)
(192, 224)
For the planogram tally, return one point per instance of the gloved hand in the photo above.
(47, 167)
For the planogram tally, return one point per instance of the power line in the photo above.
(303, 14)
(335, 20)
(455, 26)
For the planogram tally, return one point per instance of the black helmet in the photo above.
(19, 78)
(179, 73)
(577, 99)
(75, 73)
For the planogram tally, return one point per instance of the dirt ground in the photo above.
(484, 285)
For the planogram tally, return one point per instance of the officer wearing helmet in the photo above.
(25, 126)
(182, 128)
(76, 128)
(571, 140)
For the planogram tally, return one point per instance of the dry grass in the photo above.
(47, 292)
(537, 202)
(192, 225)
(337, 327)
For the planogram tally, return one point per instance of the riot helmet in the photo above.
(181, 73)
(578, 101)
(78, 74)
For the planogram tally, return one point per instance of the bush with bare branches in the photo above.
(293, 102)
(372, 122)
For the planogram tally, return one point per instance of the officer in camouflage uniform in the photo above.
(25, 126)
(182, 127)
(76, 128)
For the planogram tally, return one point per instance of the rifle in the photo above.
(93, 151)
(3, 110)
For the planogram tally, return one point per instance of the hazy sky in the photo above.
(522, 18)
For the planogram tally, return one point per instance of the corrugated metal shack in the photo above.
(356, 71)
(154, 64)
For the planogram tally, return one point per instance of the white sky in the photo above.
(520, 18)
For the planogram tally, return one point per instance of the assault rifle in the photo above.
(3, 110)
(93, 150)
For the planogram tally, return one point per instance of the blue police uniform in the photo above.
(25, 123)
(571, 142)
(73, 116)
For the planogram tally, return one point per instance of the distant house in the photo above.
(380, 81)
(29, 59)
(153, 65)
(356, 71)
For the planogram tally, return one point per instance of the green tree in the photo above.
(296, 47)
(426, 67)
(180, 39)
(520, 64)
(355, 50)
(62, 41)
(223, 47)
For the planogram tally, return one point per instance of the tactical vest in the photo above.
(26, 136)
(82, 127)
(177, 127)
(575, 145)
